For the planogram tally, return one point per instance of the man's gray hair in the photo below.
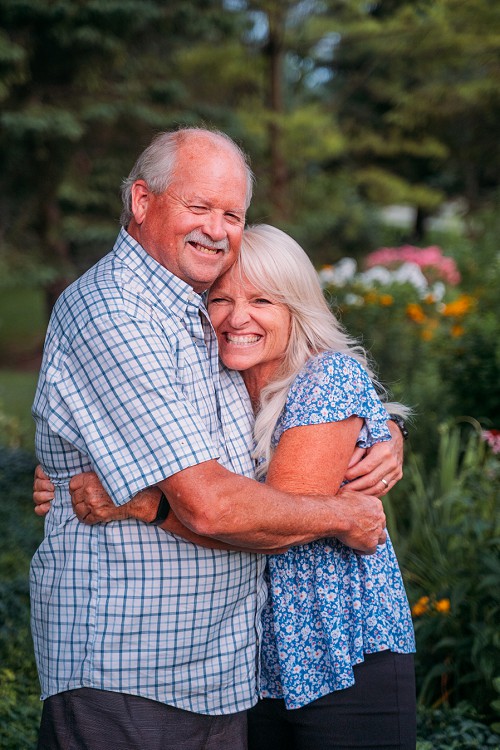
(157, 163)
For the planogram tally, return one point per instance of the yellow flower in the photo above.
(443, 605)
(415, 312)
(386, 300)
(371, 298)
(421, 607)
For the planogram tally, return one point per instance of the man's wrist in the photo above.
(162, 512)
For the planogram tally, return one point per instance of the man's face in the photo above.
(194, 228)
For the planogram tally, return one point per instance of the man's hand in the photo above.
(43, 492)
(364, 520)
(92, 504)
(384, 461)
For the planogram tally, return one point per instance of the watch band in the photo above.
(162, 512)
(401, 424)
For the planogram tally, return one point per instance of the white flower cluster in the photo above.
(345, 272)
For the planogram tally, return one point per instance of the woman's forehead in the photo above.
(233, 281)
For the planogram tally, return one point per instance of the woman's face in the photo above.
(252, 330)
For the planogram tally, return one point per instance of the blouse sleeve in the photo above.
(333, 387)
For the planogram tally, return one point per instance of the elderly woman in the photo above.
(338, 635)
(336, 657)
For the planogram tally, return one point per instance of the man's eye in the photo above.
(235, 218)
(197, 209)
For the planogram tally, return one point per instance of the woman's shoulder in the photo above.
(329, 368)
(331, 386)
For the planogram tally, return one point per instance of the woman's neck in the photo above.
(256, 378)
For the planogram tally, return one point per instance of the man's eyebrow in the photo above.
(210, 204)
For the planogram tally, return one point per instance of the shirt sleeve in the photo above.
(116, 396)
(333, 387)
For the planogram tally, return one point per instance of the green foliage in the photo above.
(454, 729)
(336, 102)
(411, 83)
(446, 528)
(21, 531)
(439, 354)
(17, 427)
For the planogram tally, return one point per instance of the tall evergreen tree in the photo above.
(415, 87)
(84, 87)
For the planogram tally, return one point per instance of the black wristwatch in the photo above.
(162, 512)
(400, 423)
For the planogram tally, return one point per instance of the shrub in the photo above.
(454, 729)
(19, 690)
(446, 527)
(434, 335)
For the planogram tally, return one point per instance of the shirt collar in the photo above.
(176, 293)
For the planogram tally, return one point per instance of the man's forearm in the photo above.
(216, 503)
(212, 503)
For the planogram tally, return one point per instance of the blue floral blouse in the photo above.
(328, 606)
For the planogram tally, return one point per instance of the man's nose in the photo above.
(214, 226)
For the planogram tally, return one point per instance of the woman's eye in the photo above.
(262, 301)
(216, 300)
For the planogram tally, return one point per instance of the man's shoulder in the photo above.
(98, 290)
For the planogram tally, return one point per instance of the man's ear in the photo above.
(140, 199)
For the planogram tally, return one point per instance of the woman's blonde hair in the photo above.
(276, 265)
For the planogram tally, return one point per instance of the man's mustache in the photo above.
(203, 239)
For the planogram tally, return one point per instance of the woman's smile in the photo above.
(252, 329)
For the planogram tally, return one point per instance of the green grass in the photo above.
(17, 389)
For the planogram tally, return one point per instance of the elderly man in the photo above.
(144, 640)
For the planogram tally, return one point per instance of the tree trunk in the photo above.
(279, 173)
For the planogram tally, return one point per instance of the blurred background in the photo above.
(373, 130)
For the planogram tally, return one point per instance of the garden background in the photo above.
(346, 109)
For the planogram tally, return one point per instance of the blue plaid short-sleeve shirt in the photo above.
(131, 387)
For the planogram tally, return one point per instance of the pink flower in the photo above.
(430, 259)
(492, 437)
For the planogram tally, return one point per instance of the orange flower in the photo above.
(457, 331)
(415, 312)
(443, 605)
(459, 307)
(386, 300)
(421, 607)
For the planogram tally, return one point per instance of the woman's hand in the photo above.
(383, 461)
(43, 492)
(91, 502)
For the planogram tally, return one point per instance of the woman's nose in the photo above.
(239, 315)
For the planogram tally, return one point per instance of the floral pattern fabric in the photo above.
(328, 606)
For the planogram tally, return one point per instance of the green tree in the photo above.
(84, 85)
(415, 86)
